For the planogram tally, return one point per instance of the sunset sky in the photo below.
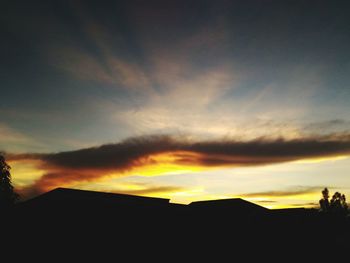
(187, 100)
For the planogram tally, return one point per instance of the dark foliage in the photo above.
(337, 205)
(7, 194)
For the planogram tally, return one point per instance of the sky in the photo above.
(186, 100)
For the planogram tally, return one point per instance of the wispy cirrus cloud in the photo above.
(160, 73)
(81, 64)
(14, 140)
(294, 196)
(9, 134)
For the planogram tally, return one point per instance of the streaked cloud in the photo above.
(81, 65)
(14, 140)
(291, 192)
(293, 196)
(9, 134)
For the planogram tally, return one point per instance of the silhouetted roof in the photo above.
(63, 195)
(236, 203)
(83, 197)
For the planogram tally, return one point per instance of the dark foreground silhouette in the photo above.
(86, 224)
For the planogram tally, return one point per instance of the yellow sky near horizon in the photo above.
(163, 177)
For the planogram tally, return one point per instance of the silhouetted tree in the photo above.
(324, 202)
(343, 202)
(337, 205)
(7, 194)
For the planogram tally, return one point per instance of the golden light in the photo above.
(290, 200)
(25, 172)
(168, 164)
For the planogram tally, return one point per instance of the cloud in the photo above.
(130, 152)
(328, 126)
(93, 164)
(110, 70)
(80, 64)
(306, 196)
(15, 140)
(129, 75)
(110, 63)
(284, 193)
(7, 134)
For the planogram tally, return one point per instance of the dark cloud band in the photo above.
(209, 153)
(65, 168)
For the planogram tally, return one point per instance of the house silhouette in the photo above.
(73, 201)
(80, 199)
(143, 228)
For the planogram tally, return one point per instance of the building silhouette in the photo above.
(142, 228)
